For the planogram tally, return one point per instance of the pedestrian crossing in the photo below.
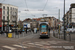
(41, 44)
(11, 48)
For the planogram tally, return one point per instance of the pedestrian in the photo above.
(0, 31)
(33, 30)
(20, 31)
(7, 33)
(26, 30)
(49, 29)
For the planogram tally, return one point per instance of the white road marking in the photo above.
(38, 44)
(31, 43)
(20, 46)
(8, 47)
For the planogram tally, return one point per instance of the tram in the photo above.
(44, 29)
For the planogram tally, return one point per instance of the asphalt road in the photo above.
(31, 41)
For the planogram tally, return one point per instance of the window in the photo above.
(7, 12)
(7, 17)
(43, 28)
(3, 7)
(11, 12)
(3, 12)
(15, 13)
(11, 8)
(3, 17)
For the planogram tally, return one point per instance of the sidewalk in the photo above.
(14, 36)
(68, 38)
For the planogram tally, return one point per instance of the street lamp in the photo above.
(58, 21)
(64, 22)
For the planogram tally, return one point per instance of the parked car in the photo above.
(29, 30)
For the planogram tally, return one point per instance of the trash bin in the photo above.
(9, 35)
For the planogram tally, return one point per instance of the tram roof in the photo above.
(43, 22)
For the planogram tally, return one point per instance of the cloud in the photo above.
(35, 5)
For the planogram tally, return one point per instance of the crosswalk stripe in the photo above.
(8, 47)
(38, 44)
(30, 43)
(20, 46)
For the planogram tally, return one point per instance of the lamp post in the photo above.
(64, 22)
(8, 19)
(59, 22)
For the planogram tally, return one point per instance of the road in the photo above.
(32, 42)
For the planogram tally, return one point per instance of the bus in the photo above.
(44, 29)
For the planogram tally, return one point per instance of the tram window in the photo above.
(43, 28)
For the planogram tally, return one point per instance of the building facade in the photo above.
(70, 15)
(8, 16)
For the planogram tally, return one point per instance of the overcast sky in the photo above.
(51, 8)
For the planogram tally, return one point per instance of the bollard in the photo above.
(69, 37)
(14, 35)
(23, 34)
(5, 34)
(18, 35)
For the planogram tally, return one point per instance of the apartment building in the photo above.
(10, 12)
(53, 22)
(72, 12)
(70, 15)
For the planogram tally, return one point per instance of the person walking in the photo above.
(26, 30)
(7, 33)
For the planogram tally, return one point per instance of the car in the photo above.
(71, 30)
(23, 30)
(28, 30)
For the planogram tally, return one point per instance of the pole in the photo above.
(8, 19)
(64, 21)
(59, 23)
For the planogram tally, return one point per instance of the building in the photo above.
(70, 15)
(8, 14)
(53, 22)
(20, 24)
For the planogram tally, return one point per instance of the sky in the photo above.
(49, 7)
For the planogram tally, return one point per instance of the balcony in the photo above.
(14, 15)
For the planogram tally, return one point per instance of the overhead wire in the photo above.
(45, 5)
(27, 8)
(26, 4)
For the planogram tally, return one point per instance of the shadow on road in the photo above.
(43, 37)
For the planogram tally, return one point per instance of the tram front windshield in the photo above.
(43, 28)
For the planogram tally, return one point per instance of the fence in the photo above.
(15, 35)
(69, 36)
